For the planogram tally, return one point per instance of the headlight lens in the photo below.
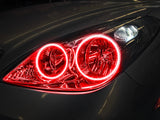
(87, 65)
(87, 62)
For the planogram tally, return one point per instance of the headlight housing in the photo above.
(87, 62)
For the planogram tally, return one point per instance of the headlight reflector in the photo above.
(98, 57)
(51, 61)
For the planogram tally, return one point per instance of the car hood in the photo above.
(24, 21)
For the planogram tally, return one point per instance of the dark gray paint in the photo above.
(129, 96)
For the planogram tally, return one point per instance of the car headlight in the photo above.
(88, 61)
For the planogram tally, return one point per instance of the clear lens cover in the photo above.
(126, 33)
(89, 64)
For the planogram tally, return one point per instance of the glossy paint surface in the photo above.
(130, 96)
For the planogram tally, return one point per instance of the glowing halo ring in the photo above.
(118, 61)
(38, 55)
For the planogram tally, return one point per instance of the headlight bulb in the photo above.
(126, 33)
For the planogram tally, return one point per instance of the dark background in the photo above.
(12, 4)
(6, 5)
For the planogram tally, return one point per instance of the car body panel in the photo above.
(25, 30)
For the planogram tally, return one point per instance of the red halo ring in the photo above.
(118, 56)
(38, 55)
